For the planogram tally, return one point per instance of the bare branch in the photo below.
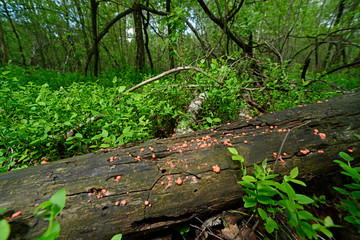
(171, 71)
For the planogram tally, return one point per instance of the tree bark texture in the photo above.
(139, 38)
(175, 175)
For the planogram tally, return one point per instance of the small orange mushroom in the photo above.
(18, 213)
(216, 168)
(322, 135)
(117, 203)
(146, 202)
(123, 202)
(179, 181)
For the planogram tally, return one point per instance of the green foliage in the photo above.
(350, 204)
(4, 227)
(270, 199)
(117, 237)
(49, 210)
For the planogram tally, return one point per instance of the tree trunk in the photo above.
(170, 47)
(4, 52)
(140, 50)
(94, 6)
(155, 175)
(15, 32)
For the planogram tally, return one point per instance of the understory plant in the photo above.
(277, 202)
(350, 205)
(48, 210)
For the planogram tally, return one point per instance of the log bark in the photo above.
(189, 157)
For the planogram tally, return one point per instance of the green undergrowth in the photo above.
(46, 116)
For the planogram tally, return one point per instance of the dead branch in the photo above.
(171, 71)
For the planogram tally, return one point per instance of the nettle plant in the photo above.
(277, 202)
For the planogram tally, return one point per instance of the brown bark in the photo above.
(15, 33)
(94, 6)
(170, 47)
(202, 191)
(139, 39)
(4, 52)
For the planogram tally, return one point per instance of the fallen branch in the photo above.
(171, 71)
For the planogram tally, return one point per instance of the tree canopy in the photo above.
(98, 35)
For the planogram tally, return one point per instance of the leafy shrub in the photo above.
(273, 201)
(350, 204)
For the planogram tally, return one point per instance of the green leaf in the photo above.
(294, 173)
(238, 158)
(117, 237)
(4, 229)
(340, 190)
(322, 229)
(249, 202)
(247, 184)
(262, 213)
(233, 151)
(302, 199)
(305, 215)
(265, 200)
(353, 186)
(298, 182)
(248, 178)
(52, 233)
(58, 199)
(346, 156)
(2, 210)
(355, 194)
(328, 222)
(270, 225)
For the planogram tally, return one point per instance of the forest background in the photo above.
(67, 66)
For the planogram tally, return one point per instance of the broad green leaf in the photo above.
(322, 229)
(4, 229)
(294, 173)
(328, 222)
(265, 200)
(233, 151)
(340, 190)
(58, 199)
(262, 213)
(346, 156)
(104, 133)
(355, 194)
(248, 178)
(247, 184)
(249, 202)
(305, 215)
(302, 199)
(270, 225)
(238, 158)
(117, 237)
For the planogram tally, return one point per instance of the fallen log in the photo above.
(176, 175)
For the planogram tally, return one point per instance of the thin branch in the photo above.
(171, 71)
(283, 142)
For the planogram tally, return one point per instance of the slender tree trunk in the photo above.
(140, 50)
(4, 53)
(170, 47)
(94, 6)
(15, 32)
(83, 27)
(146, 25)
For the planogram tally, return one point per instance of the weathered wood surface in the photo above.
(202, 191)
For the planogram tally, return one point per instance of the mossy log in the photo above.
(176, 175)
